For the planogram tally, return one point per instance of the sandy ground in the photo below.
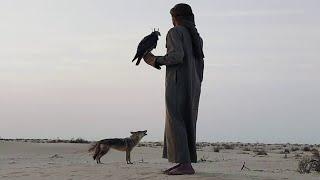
(63, 161)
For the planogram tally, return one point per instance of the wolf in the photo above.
(102, 147)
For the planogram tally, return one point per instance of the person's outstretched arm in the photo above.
(174, 54)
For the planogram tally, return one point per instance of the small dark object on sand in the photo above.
(244, 166)
(146, 45)
(56, 156)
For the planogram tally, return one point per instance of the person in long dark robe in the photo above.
(184, 74)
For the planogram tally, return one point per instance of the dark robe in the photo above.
(182, 92)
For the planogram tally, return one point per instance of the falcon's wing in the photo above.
(146, 43)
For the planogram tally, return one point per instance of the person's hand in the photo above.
(150, 59)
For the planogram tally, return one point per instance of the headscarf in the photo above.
(183, 13)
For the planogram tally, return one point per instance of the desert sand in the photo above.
(67, 161)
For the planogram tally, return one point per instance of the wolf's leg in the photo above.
(128, 157)
(98, 158)
(103, 151)
(97, 150)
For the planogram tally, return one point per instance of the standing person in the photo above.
(184, 74)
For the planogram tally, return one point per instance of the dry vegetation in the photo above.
(310, 162)
(260, 152)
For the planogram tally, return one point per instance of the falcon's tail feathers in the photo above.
(135, 57)
(138, 61)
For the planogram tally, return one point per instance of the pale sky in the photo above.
(66, 71)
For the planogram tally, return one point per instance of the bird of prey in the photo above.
(146, 45)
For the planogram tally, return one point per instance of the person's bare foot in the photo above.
(168, 170)
(183, 169)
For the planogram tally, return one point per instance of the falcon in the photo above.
(146, 45)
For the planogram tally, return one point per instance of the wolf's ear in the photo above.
(132, 132)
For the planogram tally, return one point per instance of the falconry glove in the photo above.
(150, 59)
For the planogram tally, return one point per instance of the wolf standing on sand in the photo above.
(102, 147)
(184, 74)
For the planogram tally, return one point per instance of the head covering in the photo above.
(183, 13)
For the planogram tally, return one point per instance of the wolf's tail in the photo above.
(96, 148)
